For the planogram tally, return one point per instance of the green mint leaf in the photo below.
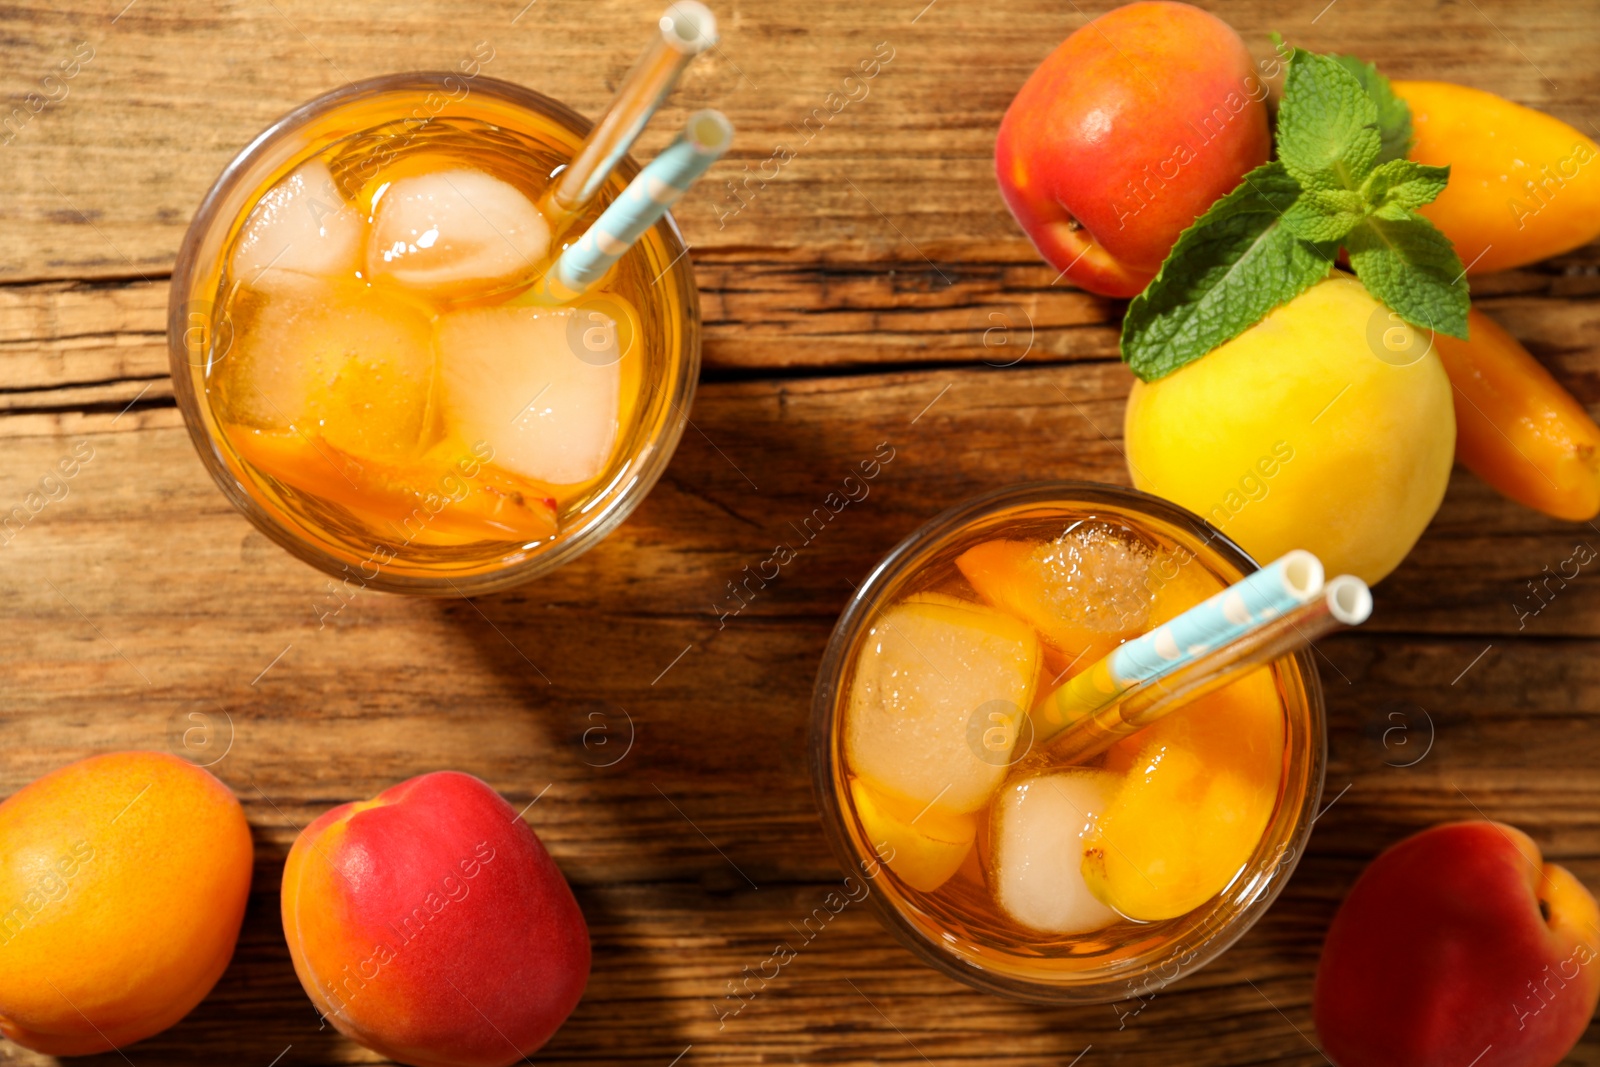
(1327, 124)
(1403, 184)
(1227, 271)
(1414, 269)
(1325, 214)
(1394, 114)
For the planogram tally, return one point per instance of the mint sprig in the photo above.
(1394, 117)
(1340, 180)
(1236, 263)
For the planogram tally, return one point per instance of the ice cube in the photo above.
(1094, 577)
(301, 225)
(540, 385)
(935, 707)
(340, 360)
(454, 230)
(1037, 858)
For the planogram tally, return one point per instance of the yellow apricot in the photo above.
(1306, 431)
(923, 848)
(1524, 185)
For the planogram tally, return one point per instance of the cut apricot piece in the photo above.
(1200, 787)
(443, 496)
(1179, 581)
(924, 848)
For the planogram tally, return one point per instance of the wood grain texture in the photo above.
(876, 291)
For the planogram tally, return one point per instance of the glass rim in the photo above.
(822, 729)
(654, 455)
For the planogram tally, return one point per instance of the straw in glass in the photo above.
(657, 187)
(1344, 601)
(687, 28)
(1274, 590)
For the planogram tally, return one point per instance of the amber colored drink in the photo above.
(364, 366)
(1013, 868)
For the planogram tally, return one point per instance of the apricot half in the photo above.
(1200, 786)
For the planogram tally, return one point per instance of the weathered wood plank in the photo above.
(766, 313)
(902, 171)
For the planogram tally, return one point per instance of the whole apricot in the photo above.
(122, 886)
(1459, 946)
(1524, 185)
(1326, 426)
(1124, 135)
(431, 925)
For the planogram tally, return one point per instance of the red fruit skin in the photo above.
(431, 925)
(1429, 961)
(1125, 134)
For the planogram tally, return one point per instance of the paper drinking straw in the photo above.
(1345, 601)
(1274, 590)
(658, 186)
(687, 28)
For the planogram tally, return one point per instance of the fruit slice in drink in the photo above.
(923, 846)
(1084, 592)
(1201, 784)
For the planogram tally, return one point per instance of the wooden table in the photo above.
(852, 299)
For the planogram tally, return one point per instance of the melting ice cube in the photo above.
(1036, 864)
(540, 385)
(303, 225)
(1094, 576)
(340, 360)
(453, 230)
(939, 691)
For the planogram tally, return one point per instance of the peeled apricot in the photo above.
(923, 848)
(1524, 185)
(1200, 787)
(1517, 428)
(124, 879)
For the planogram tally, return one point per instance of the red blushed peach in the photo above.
(1125, 134)
(1459, 946)
(430, 925)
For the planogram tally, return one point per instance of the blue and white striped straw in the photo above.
(658, 186)
(1268, 594)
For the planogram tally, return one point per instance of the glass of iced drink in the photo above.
(1008, 866)
(362, 364)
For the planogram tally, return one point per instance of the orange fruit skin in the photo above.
(430, 924)
(123, 881)
(1524, 185)
(1517, 428)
